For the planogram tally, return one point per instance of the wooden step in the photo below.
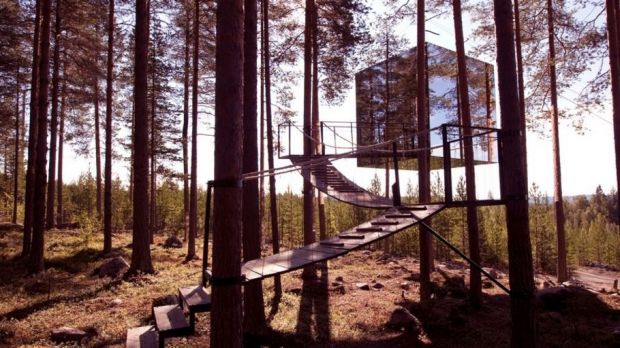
(385, 223)
(351, 236)
(369, 229)
(417, 207)
(142, 337)
(336, 244)
(171, 322)
(196, 300)
(398, 216)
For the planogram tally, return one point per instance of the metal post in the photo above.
(322, 139)
(396, 185)
(500, 161)
(447, 164)
(289, 138)
(205, 249)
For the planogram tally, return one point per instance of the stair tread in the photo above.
(370, 229)
(171, 320)
(196, 298)
(142, 337)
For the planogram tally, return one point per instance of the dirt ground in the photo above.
(331, 311)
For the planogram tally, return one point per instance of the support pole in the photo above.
(205, 249)
(396, 185)
(447, 164)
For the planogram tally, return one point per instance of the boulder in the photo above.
(362, 286)
(113, 268)
(340, 279)
(456, 287)
(377, 286)
(116, 302)
(405, 285)
(554, 298)
(401, 319)
(173, 242)
(67, 334)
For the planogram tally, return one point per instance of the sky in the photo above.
(587, 159)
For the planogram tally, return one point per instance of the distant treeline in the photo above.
(591, 225)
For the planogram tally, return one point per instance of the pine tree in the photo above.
(107, 205)
(140, 251)
(226, 315)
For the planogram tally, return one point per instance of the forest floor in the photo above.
(319, 313)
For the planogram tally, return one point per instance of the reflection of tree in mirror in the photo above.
(386, 98)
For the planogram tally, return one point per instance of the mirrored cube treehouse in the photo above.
(386, 97)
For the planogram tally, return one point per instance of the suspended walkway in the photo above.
(170, 320)
(389, 223)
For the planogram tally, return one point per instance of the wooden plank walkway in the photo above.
(390, 222)
(329, 180)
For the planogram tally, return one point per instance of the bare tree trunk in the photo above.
(32, 135)
(97, 146)
(387, 110)
(51, 185)
(193, 198)
(254, 318)
(308, 190)
(36, 261)
(186, 123)
(475, 282)
(107, 204)
(514, 186)
(16, 164)
(140, 248)
(520, 81)
(614, 65)
(226, 311)
(153, 154)
(316, 135)
(261, 137)
(273, 205)
(424, 178)
(61, 142)
(555, 136)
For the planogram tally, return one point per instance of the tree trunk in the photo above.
(316, 134)
(140, 248)
(186, 123)
(193, 198)
(308, 190)
(32, 135)
(387, 110)
(226, 315)
(521, 273)
(107, 204)
(61, 142)
(153, 153)
(520, 81)
(261, 137)
(36, 261)
(51, 185)
(273, 205)
(475, 282)
(254, 319)
(424, 178)
(614, 65)
(16, 164)
(555, 136)
(97, 146)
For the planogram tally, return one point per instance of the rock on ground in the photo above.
(362, 286)
(113, 267)
(401, 318)
(554, 298)
(67, 334)
(173, 242)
